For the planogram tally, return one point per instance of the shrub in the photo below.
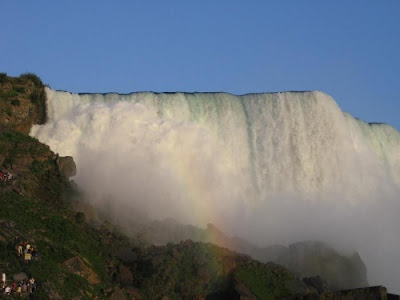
(38, 167)
(34, 97)
(32, 77)
(16, 102)
(16, 137)
(20, 89)
(9, 112)
(8, 94)
(12, 93)
(3, 78)
(8, 162)
(80, 217)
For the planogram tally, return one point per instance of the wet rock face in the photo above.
(66, 166)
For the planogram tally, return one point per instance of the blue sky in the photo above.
(348, 49)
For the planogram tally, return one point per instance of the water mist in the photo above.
(271, 168)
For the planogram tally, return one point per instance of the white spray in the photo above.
(273, 168)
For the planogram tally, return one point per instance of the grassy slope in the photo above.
(57, 239)
(197, 270)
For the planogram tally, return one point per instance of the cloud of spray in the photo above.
(139, 163)
(369, 228)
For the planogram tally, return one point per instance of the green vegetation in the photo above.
(268, 283)
(6, 95)
(35, 96)
(184, 270)
(9, 112)
(17, 137)
(32, 77)
(15, 145)
(22, 101)
(20, 89)
(38, 98)
(16, 102)
(57, 238)
(3, 78)
(12, 93)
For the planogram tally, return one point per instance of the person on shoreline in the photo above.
(19, 250)
(19, 288)
(31, 285)
(7, 290)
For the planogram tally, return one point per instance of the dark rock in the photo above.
(368, 293)
(80, 217)
(156, 251)
(66, 166)
(175, 253)
(124, 275)
(187, 243)
(318, 283)
(133, 293)
(127, 256)
(118, 295)
(78, 267)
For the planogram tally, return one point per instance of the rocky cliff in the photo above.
(22, 102)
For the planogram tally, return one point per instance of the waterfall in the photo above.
(277, 167)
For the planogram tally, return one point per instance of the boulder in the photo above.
(124, 275)
(66, 166)
(132, 293)
(78, 267)
(118, 295)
